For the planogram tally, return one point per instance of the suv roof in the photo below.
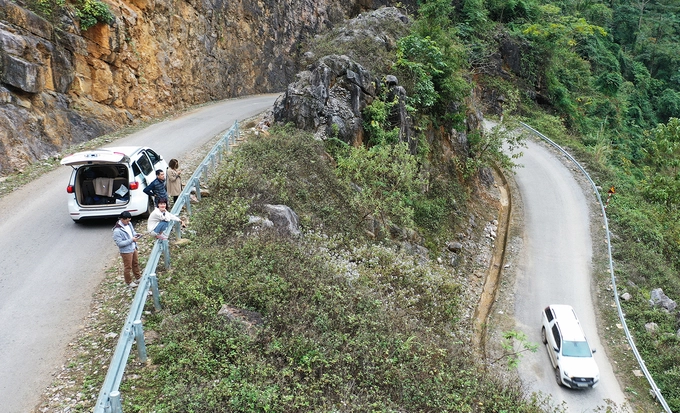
(568, 322)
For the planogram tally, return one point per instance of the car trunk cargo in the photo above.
(97, 185)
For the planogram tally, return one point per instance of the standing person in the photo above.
(156, 188)
(160, 219)
(174, 180)
(126, 238)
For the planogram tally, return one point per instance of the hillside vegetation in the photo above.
(604, 83)
(334, 321)
(354, 319)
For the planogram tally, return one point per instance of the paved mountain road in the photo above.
(50, 267)
(555, 268)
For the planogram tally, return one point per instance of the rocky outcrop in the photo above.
(284, 218)
(363, 39)
(328, 99)
(279, 217)
(59, 86)
(659, 299)
(399, 116)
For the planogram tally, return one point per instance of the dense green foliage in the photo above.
(390, 188)
(347, 324)
(602, 78)
(89, 12)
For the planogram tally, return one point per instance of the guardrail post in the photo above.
(114, 399)
(153, 279)
(178, 229)
(197, 188)
(232, 137)
(139, 338)
(187, 202)
(204, 172)
(166, 253)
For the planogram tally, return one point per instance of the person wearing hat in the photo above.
(125, 237)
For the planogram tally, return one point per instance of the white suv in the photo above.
(108, 181)
(569, 351)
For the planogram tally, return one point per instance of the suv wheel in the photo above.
(558, 376)
(543, 337)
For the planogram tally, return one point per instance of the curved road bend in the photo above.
(50, 267)
(555, 268)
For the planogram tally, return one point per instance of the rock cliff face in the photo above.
(60, 86)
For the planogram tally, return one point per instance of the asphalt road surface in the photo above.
(50, 267)
(555, 268)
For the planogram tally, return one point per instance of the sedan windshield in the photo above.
(576, 349)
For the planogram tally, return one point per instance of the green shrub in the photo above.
(89, 12)
(387, 181)
(377, 124)
(288, 167)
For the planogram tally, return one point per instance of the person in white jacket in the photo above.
(160, 219)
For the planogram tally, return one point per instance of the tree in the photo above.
(514, 344)
(487, 149)
(662, 160)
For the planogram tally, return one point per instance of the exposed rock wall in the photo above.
(59, 86)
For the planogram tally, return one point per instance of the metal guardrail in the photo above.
(109, 400)
(641, 362)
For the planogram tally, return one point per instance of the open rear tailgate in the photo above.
(94, 156)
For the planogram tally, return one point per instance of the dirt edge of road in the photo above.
(493, 274)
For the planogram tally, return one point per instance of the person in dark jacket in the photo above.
(125, 237)
(156, 188)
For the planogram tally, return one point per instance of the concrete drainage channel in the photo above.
(493, 274)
